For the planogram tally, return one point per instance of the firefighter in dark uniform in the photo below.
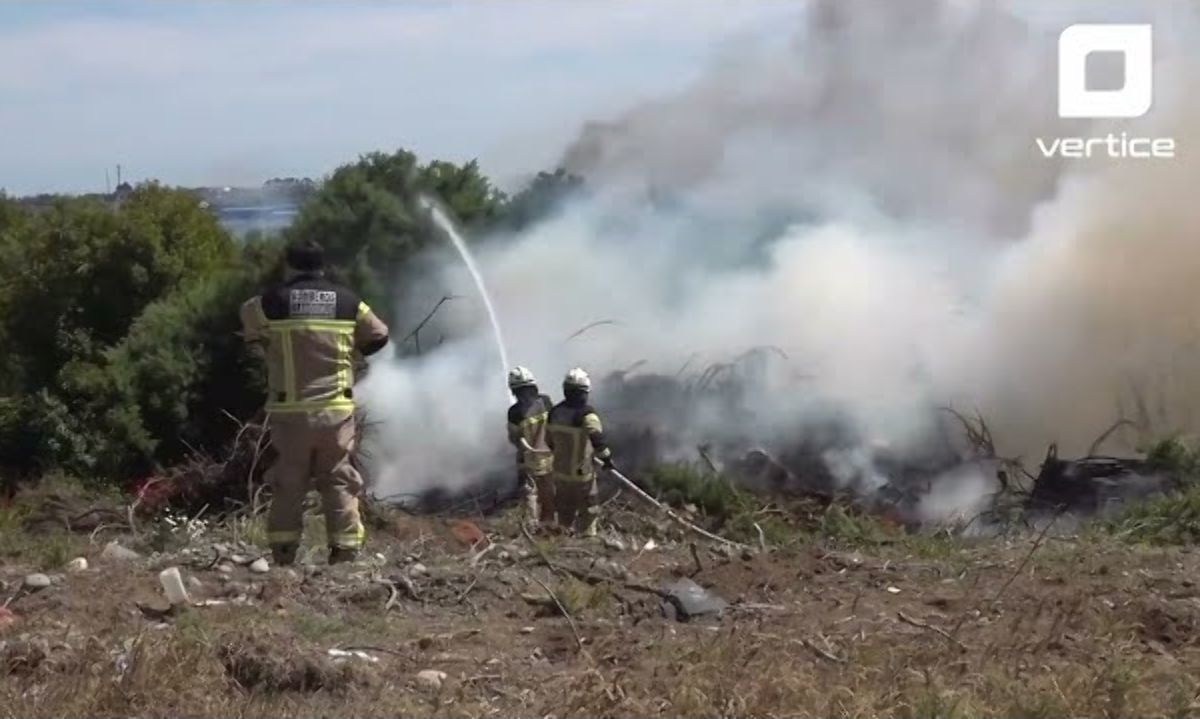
(527, 432)
(575, 436)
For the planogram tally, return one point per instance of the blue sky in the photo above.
(221, 92)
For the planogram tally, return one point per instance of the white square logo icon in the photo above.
(1133, 98)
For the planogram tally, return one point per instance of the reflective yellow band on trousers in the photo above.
(573, 477)
(335, 325)
(283, 537)
(314, 405)
(349, 540)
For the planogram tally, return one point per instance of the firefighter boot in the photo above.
(342, 555)
(284, 555)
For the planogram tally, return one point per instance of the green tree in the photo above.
(75, 278)
(80, 273)
(368, 216)
(544, 195)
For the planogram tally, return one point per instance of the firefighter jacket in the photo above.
(575, 436)
(310, 331)
(527, 421)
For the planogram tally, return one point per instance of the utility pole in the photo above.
(118, 174)
(107, 182)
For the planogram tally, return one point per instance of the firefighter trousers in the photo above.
(576, 503)
(538, 491)
(313, 453)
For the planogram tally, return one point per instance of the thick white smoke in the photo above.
(868, 199)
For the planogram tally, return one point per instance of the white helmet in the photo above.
(520, 377)
(577, 379)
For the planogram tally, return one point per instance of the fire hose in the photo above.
(629, 484)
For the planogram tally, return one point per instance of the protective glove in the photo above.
(607, 463)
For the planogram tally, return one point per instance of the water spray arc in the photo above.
(444, 223)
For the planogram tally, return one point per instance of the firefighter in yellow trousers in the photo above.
(310, 331)
(575, 436)
(527, 432)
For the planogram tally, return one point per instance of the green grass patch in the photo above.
(1169, 519)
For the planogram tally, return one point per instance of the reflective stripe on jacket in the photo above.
(311, 330)
(527, 420)
(575, 435)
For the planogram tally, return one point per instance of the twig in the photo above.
(393, 596)
(19, 592)
(823, 653)
(99, 528)
(610, 500)
(409, 586)
(762, 538)
(1107, 433)
(686, 364)
(936, 630)
(977, 432)
(1021, 567)
(585, 328)
(365, 648)
(703, 450)
(414, 334)
(258, 447)
(561, 608)
(467, 591)
(587, 576)
(695, 558)
(758, 350)
(475, 557)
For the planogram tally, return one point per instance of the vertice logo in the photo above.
(1079, 98)
(1077, 43)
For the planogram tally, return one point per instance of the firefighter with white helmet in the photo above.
(575, 436)
(527, 432)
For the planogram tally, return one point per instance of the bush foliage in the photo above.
(119, 318)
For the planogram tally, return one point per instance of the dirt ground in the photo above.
(1033, 625)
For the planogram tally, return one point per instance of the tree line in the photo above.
(119, 319)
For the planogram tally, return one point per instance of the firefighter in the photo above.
(527, 432)
(575, 436)
(309, 330)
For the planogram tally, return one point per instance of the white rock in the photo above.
(418, 569)
(239, 559)
(893, 590)
(225, 568)
(260, 566)
(527, 630)
(37, 581)
(380, 558)
(78, 564)
(172, 584)
(115, 552)
(431, 678)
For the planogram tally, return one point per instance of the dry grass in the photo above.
(845, 625)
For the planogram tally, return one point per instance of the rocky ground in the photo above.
(468, 616)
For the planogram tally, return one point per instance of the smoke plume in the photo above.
(865, 198)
